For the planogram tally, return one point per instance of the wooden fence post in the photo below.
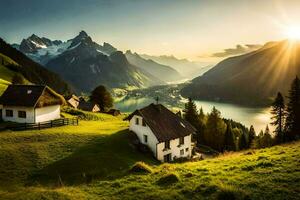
(39, 126)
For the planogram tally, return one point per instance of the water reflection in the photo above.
(258, 117)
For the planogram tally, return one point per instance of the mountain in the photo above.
(42, 49)
(160, 71)
(30, 70)
(251, 79)
(185, 67)
(86, 64)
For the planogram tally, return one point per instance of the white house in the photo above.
(167, 135)
(73, 101)
(30, 104)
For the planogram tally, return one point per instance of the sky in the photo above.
(193, 29)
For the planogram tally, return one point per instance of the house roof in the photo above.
(30, 96)
(87, 106)
(165, 124)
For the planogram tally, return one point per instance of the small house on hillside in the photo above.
(167, 135)
(30, 104)
(73, 101)
(88, 106)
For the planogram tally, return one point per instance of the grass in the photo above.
(6, 74)
(93, 161)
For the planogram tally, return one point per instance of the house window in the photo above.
(187, 149)
(167, 145)
(181, 141)
(143, 122)
(21, 114)
(145, 138)
(181, 152)
(9, 113)
(137, 121)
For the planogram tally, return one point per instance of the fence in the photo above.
(42, 125)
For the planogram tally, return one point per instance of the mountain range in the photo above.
(15, 62)
(186, 68)
(84, 64)
(163, 72)
(250, 79)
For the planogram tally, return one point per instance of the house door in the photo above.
(167, 158)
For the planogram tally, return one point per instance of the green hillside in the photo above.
(5, 73)
(32, 71)
(92, 161)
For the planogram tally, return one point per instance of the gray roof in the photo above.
(165, 124)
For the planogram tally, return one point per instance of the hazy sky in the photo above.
(184, 28)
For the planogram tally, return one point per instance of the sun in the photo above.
(293, 33)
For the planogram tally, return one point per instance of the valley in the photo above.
(170, 96)
(93, 161)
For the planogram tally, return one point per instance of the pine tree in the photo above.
(242, 141)
(191, 114)
(229, 139)
(278, 112)
(266, 140)
(201, 128)
(214, 130)
(258, 140)
(292, 125)
(252, 136)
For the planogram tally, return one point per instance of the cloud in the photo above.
(239, 49)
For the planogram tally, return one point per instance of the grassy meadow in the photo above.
(93, 161)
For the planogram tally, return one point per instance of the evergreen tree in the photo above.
(252, 136)
(242, 141)
(229, 139)
(266, 140)
(292, 125)
(201, 128)
(191, 114)
(278, 112)
(102, 97)
(258, 140)
(215, 130)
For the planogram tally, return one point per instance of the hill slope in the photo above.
(91, 161)
(32, 71)
(252, 78)
(188, 69)
(163, 72)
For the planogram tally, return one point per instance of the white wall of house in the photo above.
(157, 148)
(32, 115)
(15, 118)
(47, 113)
(176, 150)
(141, 130)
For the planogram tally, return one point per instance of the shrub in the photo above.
(168, 179)
(81, 114)
(228, 192)
(141, 167)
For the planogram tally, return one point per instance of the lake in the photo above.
(258, 117)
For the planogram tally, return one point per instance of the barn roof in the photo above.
(30, 96)
(165, 124)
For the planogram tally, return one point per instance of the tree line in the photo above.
(286, 116)
(216, 132)
(227, 135)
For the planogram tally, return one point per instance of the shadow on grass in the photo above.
(107, 157)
